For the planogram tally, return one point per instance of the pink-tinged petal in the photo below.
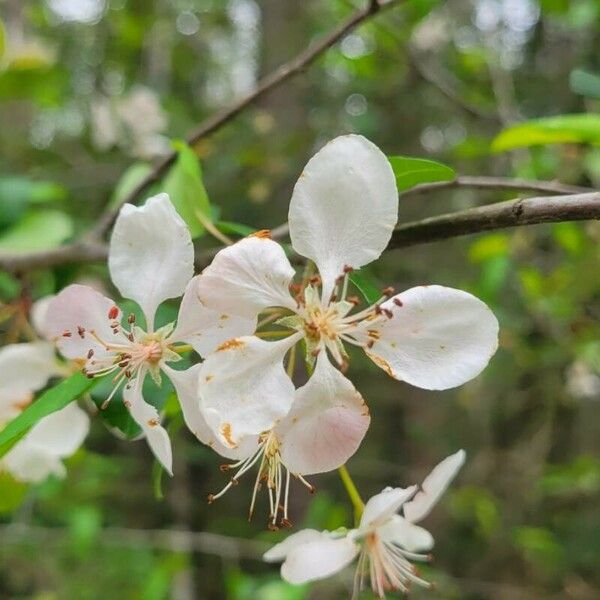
(344, 207)
(147, 417)
(279, 552)
(432, 488)
(30, 464)
(62, 432)
(244, 389)
(438, 337)
(403, 533)
(326, 423)
(186, 386)
(24, 369)
(248, 277)
(38, 314)
(318, 559)
(382, 506)
(151, 255)
(204, 328)
(77, 317)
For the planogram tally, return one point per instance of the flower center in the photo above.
(270, 473)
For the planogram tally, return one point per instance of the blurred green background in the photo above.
(91, 90)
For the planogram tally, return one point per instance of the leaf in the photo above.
(229, 228)
(585, 83)
(12, 492)
(37, 230)
(563, 129)
(366, 286)
(132, 177)
(2, 40)
(185, 187)
(410, 172)
(50, 401)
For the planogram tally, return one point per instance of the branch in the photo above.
(268, 83)
(512, 213)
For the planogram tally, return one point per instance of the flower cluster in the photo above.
(242, 399)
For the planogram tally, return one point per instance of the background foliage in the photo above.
(92, 90)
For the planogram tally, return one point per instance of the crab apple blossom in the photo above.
(24, 369)
(384, 542)
(151, 260)
(342, 214)
(313, 429)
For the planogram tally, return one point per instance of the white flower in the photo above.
(342, 214)
(384, 542)
(24, 369)
(151, 259)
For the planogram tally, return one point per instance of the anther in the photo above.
(234, 481)
(387, 312)
(89, 376)
(123, 363)
(398, 302)
(378, 309)
(130, 337)
(131, 319)
(113, 313)
(90, 353)
(128, 374)
(348, 269)
(315, 280)
(370, 344)
(81, 331)
(66, 334)
(285, 523)
(272, 526)
(210, 498)
(224, 468)
(388, 291)
(353, 300)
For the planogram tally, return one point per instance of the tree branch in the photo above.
(512, 213)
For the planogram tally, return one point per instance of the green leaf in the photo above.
(185, 187)
(585, 83)
(563, 129)
(229, 228)
(50, 401)
(2, 40)
(37, 230)
(132, 177)
(12, 492)
(366, 285)
(410, 172)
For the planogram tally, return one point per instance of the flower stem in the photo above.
(352, 492)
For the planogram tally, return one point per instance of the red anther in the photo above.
(210, 498)
(81, 331)
(348, 269)
(131, 319)
(315, 280)
(90, 353)
(234, 481)
(398, 302)
(128, 374)
(66, 334)
(295, 288)
(113, 313)
(388, 291)
(353, 300)
(387, 312)
(224, 468)
(286, 523)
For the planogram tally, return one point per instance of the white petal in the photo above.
(151, 255)
(38, 314)
(344, 207)
(318, 559)
(147, 417)
(186, 386)
(326, 424)
(382, 506)
(244, 389)
(28, 463)
(204, 328)
(434, 485)
(279, 552)
(79, 308)
(248, 277)
(62, 432)
(404, 533)
(24, 369)
(438, 338)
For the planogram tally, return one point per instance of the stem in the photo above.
(352, 492)
(274, 333)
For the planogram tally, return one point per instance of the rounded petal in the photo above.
(38, 314)
(403, 533)
(438, 337)
(248, 277)
(74, 314)
(186, 386)
(318, 559)
(31, 464)
(326, 423)
(62, 432)
(432, 488)
(147, 417)
(204, 328)
(344, 207)
(151, 255)
(279, 551)
(382, 506)
(24, 369)
(244, 389)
